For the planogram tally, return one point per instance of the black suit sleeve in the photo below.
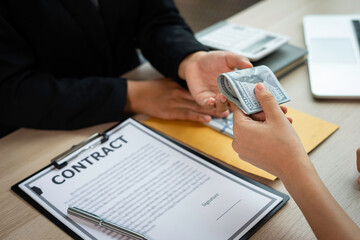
(164, 37)
(36, 99)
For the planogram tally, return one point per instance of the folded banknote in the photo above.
(238, 86)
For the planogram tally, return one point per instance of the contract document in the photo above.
(145, 182)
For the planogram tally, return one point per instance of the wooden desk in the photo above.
(26, 151)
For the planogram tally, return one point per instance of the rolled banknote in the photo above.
(238, 86)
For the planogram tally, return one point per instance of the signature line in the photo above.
(228, 210)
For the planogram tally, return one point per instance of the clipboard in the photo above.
(101, 138)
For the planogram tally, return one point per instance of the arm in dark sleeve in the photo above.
(164, 37)
(36, 99)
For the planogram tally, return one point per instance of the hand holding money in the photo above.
(238, 86)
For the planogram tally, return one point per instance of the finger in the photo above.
(260, 116)
(223, 114)
(190, 104)
(222, 98)
(290, 119)
(214, 113)
(268, 103)
(238, 116)
(185, 114)
(193, 106)
(208, 103)
(284, 109)
(237, 61)
(221, 105)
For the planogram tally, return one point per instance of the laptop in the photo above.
(333, 43)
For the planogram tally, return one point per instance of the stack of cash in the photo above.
(238, 86)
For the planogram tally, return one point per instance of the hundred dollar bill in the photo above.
(223, 125)
(238, 86)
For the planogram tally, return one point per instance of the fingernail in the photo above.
(211, 101)
(207, 118)
(223, 100)
(260, 87)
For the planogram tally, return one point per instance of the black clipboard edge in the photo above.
(15, 188)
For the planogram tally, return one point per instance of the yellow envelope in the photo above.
(311, 130)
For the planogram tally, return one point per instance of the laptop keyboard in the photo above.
(356, 24)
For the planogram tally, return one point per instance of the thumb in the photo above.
(238, 115)
(238, 61)
(267, 101)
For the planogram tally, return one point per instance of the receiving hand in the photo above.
(272, 144)
(164, 98)
(201, 69)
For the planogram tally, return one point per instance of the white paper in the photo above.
(146, 183)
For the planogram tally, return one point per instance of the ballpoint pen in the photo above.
(104, 223)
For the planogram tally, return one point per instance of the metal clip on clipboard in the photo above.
(55, 161)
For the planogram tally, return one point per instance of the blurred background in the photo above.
(200, 14)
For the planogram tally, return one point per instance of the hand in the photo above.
(164, 98)
(260, 116)
(272, 144)
(201, 69)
